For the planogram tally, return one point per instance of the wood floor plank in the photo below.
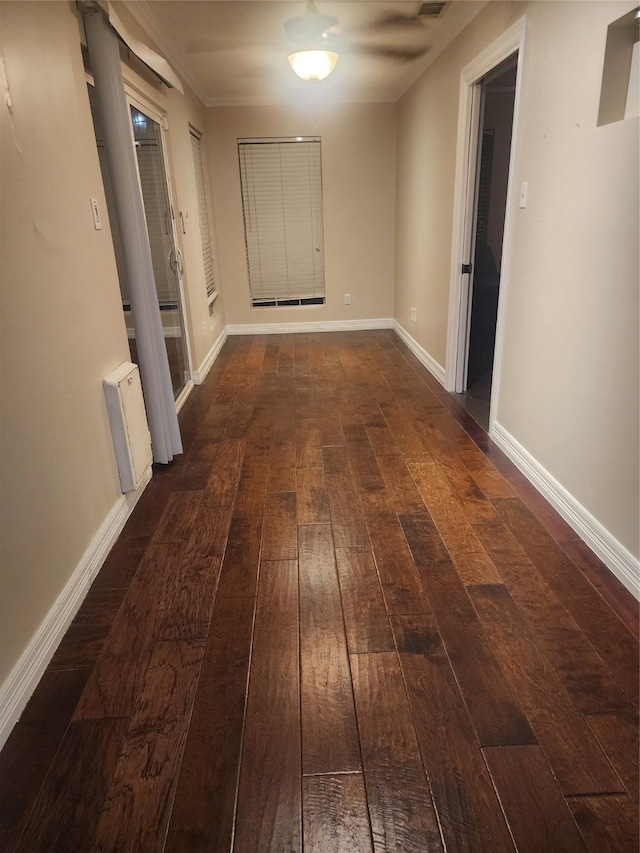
(146, 516)
(178, 518)
(346, 514)
(204, 810)
(536, 811)
(381, 438)
(448, 513)
(468, 810)
(252, 486)
(335, 816)
(476, 506)
(331, 434)
(412, 448)
(312, 498)
(240, 416)
(403, 492)
(121, 564)
(282, 466)
(270, 360)
(490, 482)
(224, 476)
(308, 445)
(117, 677)
(197, 468)
(355, 434)
(269, 799)
(365, 617)
(67, 811)
(329, 733)
(239, 572)
(618, 597)
(279, 538)
(30, 749)
(209, 534)
(496, 715)
(400, 805)
(573, 753)
(188, 611)
(584, 674)
(258, 433)
(609, 636)
(618, 735)
(213, 424)
(136, 809)
(398, 574)
(85, 637)
(365, 471)
(607, 824)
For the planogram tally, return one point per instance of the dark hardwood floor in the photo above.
(341, 621)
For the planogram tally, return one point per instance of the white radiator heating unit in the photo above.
(128, 419)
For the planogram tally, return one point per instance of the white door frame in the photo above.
(514, 39)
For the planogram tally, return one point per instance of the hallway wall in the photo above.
(59, 477)
(568, 390)
(63, 328)
(358, 181)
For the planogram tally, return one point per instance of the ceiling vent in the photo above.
(431, 10)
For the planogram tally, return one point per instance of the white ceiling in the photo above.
(235, 51)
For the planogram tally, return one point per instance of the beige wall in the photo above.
(568, 390)
(59, 477)
(358, 177)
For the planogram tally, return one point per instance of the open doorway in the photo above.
(484, 202)
(495, 122)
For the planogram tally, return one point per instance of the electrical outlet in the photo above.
(414, 315)
(347, 299)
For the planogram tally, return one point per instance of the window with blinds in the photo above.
(282, 204)
(203, 218)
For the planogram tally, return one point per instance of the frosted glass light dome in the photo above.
(313, 64)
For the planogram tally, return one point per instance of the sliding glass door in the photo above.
(147, 138)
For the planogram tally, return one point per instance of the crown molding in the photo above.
(142, 12)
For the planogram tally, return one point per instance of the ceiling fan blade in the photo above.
(398, 53)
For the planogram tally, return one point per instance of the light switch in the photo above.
(97, 221)
(524, 189)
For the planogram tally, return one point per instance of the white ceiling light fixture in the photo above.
(316, 56)
(313, 64)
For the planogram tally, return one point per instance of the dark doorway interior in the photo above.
(494, 147)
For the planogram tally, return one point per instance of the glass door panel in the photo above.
(147, 134)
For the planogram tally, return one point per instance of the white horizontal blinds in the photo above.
(203, 215)
(156, 209)
(282, 201)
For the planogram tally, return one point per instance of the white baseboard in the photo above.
(613, 554)
(320, 326)
(199, 375)
(436, 370)
(22, 681)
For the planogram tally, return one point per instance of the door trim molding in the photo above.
(512, 40)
